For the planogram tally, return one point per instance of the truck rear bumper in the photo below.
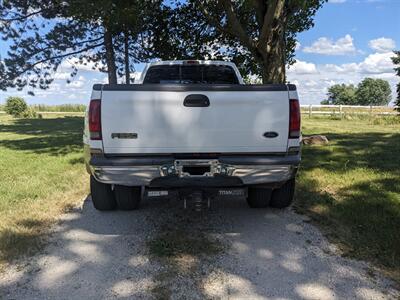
(225, 171)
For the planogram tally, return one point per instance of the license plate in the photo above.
(232, 192)
(157, 193)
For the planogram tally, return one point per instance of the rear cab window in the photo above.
(191, 74)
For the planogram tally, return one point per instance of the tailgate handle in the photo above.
(196, 100)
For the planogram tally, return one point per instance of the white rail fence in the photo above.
(341, 110)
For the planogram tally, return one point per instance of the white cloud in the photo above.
(104, 80)
(377, 63)
(337, 1)
(343, 68)
(382, 44)
(77, 84)
(84, 66)
(62, 75)
(327, 46)
(134, 77)
(313, 86)
(302, 67)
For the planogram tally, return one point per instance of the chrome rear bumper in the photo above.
(144, 171)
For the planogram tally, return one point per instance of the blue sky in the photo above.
(351, 40)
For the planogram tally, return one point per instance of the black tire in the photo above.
(102, 195)
(283, 196)
(258, 197)
(127, 197)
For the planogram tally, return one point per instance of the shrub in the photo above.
(29, 113)
(15, 106)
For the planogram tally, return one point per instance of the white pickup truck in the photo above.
(192, 129)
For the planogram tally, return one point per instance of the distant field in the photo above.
(62, 108)
(59, 108)
(42, 175)
(350, 187)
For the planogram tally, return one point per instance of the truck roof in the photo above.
(190, 62)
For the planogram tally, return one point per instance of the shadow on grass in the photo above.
(56, 136)
(364, 218)
(377, 151)
(23, 238)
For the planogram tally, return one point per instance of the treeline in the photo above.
(370, 91)
(59, 108)
(17, 107)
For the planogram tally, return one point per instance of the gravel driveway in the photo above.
(163, 251)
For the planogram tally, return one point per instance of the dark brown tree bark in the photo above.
(269, 47)
(126, 58)
(272, 46)
(110, 57)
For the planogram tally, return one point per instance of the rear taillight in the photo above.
(294, 119)
(95, 119)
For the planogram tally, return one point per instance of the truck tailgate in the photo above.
(144, 121)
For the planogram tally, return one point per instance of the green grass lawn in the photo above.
(42, 174)
(352, 187)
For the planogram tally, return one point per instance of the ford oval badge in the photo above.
(270, 134)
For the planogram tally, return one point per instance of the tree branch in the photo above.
(260, 9)
(21, 17)
(71, 46)
(274, 11)
(57, 57)
(213, 21)
(235, 26)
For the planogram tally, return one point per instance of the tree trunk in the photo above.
(273, 52)
(272, 59)
(126, 58)
(110, 57)
(273, 69)
(268, 49)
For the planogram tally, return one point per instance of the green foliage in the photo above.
(137, 31)
(325, 102)
(373, 92)
(111, 35)
(251, 79)
(396, 61)
(368, 92)
(235, 30)
(342, 94)
(29, 113)
(16, 106)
